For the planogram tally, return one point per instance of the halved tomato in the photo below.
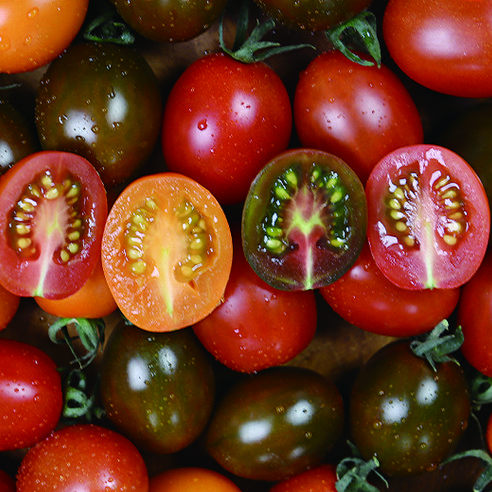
(166, 252)
(428, 218)
(53, 207)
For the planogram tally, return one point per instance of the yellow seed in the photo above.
(74, 236)
(198, 243)
(196, 259)
(22, 229)
(134, 253)
(450, 240)
(409, 241)
(46, 181)
(26, 205)
(24, 242)
(442, 181)
(74, 190)
(21, 216)
(455, 227)
(400, 226)
(397, 215)
(456, 215)
(449, 194)
(151, 204)
(138, 267)
(34, 190)
(73, 248)
(399, 194)
(337, 196)
(64, 256)
(453, 205)
(76, 224)
(395, 204)
(186, 271)
(133, 240)
(52, 193)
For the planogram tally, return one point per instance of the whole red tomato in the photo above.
(223, 121)
(359, 113)
(445, 46)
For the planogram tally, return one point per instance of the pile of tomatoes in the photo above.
(235, 256)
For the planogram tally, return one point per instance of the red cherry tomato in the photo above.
(321, 478)
(428, 218)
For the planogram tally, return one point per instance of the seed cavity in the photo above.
(27, 211)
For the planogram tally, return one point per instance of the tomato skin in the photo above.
(189, 479)
(7, 483)
(223, 121)
(92, 300)
(445, 46)
(42, 272)
(156, 299)
(9, 304)
(475, 317)
(405, 413)
(101, 101)
(30, 395)
(257, 326)
(313, 15)
(321, 478)
(367, 299)
(276, 423)
(428, 212)
(359, 113)
(158, 389)
(34, 33)
(170, 20)
(99, 458)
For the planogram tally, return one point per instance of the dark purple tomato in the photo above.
(170, 20)
(406, 414)
(313, 15)
(304, 220)
(101, 101)
(276, 423)
(157, 388)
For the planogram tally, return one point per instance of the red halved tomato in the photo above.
(166, 252)
(428, 218)
(53, 208)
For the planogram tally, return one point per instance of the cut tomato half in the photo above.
(166, 252)
(53, 207)
(428, 218)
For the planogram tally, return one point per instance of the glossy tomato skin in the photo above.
(304, 220)
(367, 299)
(53, 205)
(170, 21)
(166, 288)
(313, 15)
(34, 33)
(276, 423)
(223, 121)
(7, 483)
(321, 478)
(31, 396)
(9, 304)
(187, 479)
(158, 389)
(87, 454)
(406, 414)
(359, 113)
(475, 317)
(428, 217)
(257, 326)
(101, 101)
(445, 46)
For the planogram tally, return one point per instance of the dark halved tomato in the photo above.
(428, 218)
(52, 212)
(304, 220)
(166, 252)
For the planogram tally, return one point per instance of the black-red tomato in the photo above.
(276, 423)
(404, 413)
(304, 220)
(428, 217)
(158, 389)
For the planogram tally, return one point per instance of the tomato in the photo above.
(7, 483)
(223, 121)
(166, 252)
(17, 138)
(304, 220)
(313, 15)
(359, 113)
(366, 298)
(87, 454)
(30, 395)
(428, 218)
(257, 326)
(101, 101)
(475, 317)
(445, 46)
(157, 388)
(488, 433)
(321, 478)
(189, 479)
(276, 423)
(170, 20)
(52, 210)
(9, 304)
(92, 300)
(33, 32)
(406, 414)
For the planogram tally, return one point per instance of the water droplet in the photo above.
(202, 125)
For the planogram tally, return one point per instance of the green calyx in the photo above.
(108, 26)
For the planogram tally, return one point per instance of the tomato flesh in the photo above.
(166, 252)
(52, 211)
(428, 218)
